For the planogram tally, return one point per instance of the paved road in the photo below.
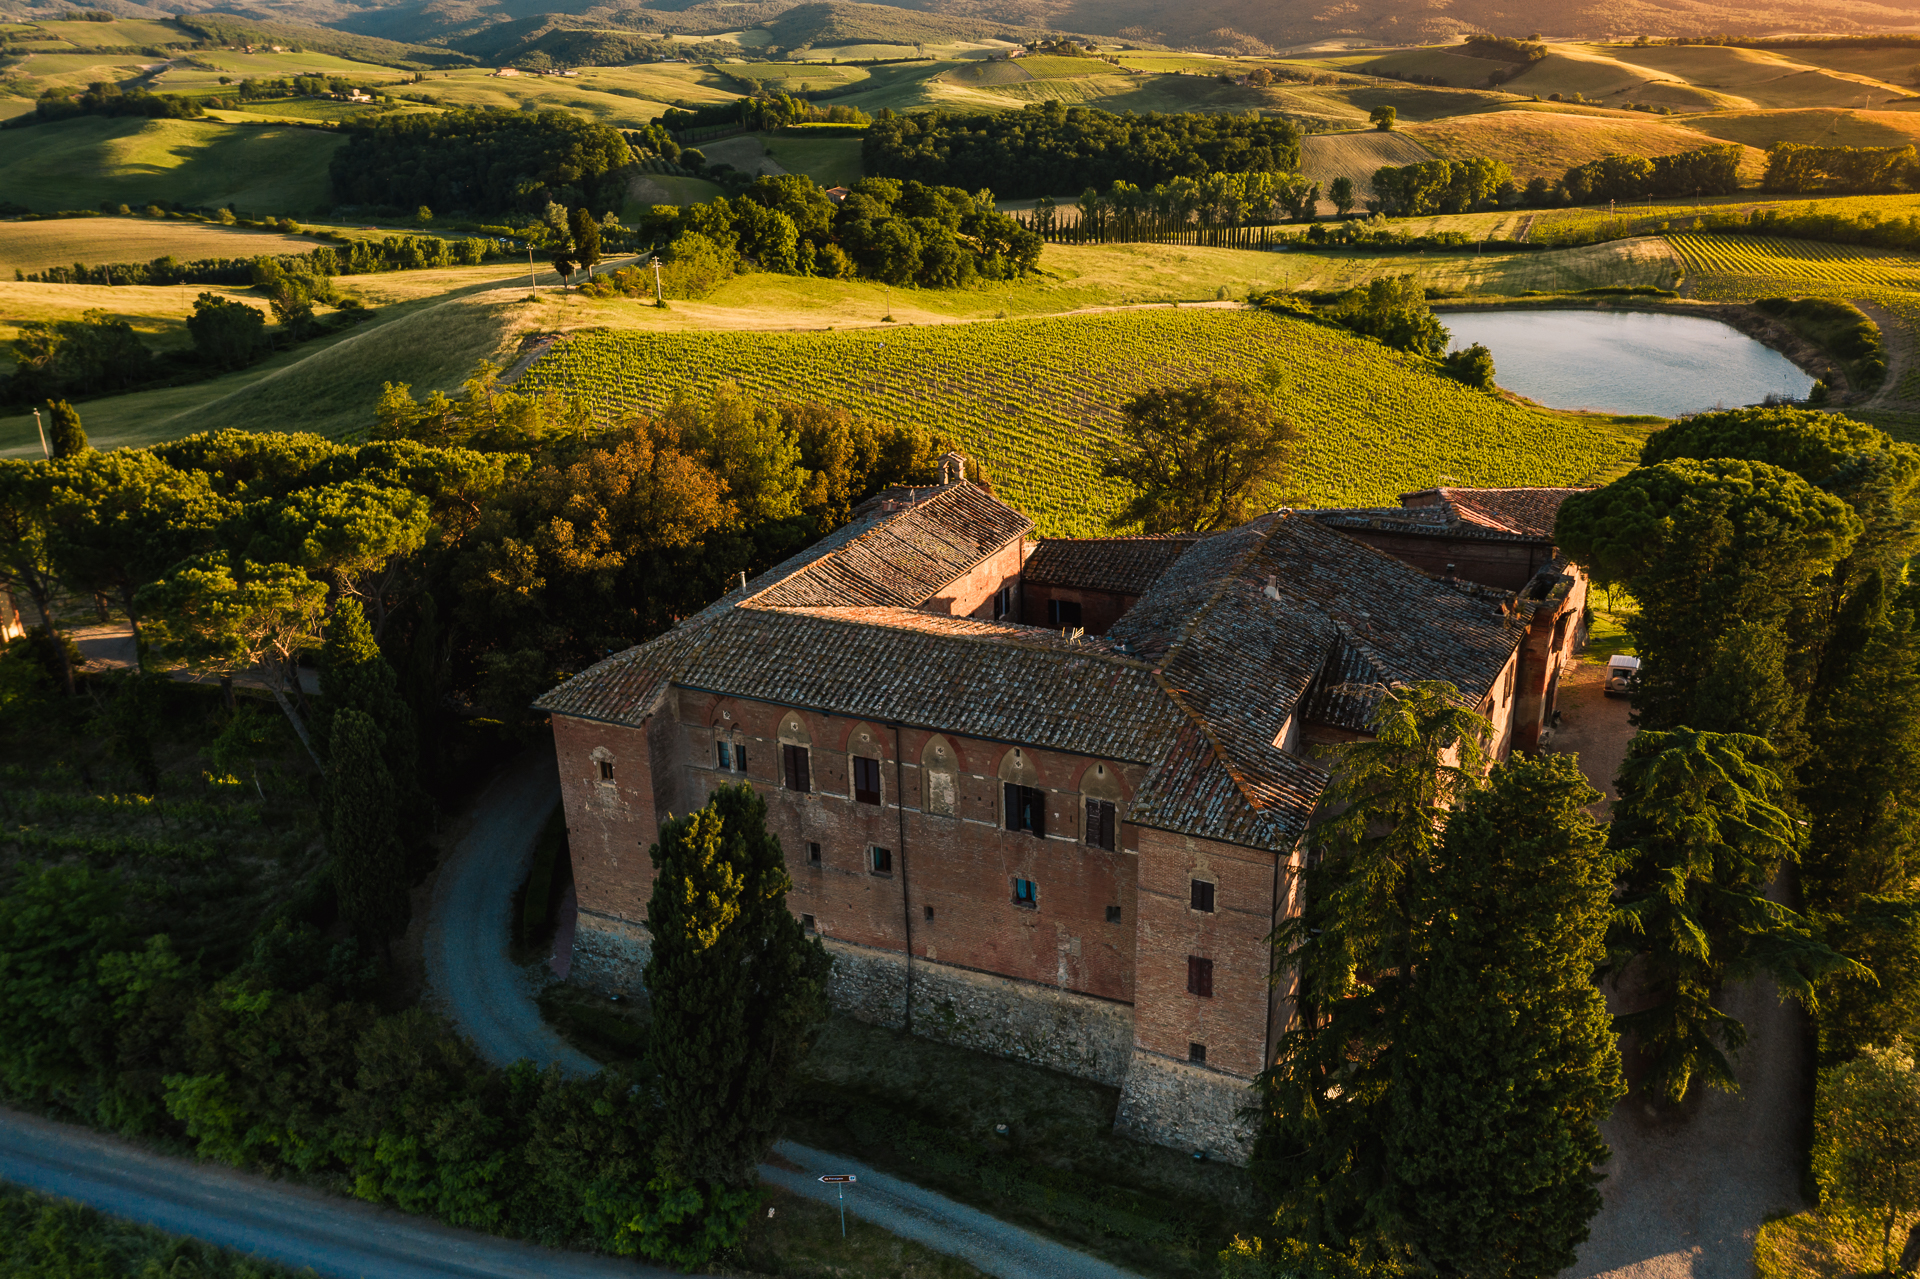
(339, 1238)
(475, 983)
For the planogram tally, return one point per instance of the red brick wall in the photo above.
(972, 595)
(1099, 610)
(1506, 566)
(1234, 1022)
(610, 826)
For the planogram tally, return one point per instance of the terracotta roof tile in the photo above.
(1522, 512)
(1123, 565)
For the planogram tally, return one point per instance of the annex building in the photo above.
(1044, 797)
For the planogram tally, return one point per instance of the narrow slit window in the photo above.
(606, 770)
(1026, 893)
(799, 776)
(1202, 898)
(880, 860)
(807, 925)
(813, 854)
(1026, 809)
(866, 780)
(929, 914)
(1100, 823)
(1199, 976)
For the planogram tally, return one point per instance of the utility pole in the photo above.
(658, 296)
(44, 450)
(533, 283)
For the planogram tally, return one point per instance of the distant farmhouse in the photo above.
(1046, 797)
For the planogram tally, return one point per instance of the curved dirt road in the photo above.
(492, 1001)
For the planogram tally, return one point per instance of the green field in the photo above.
(34, 246)
(1036, 400)
(80, 162)
(1545, 144)
(828, 161)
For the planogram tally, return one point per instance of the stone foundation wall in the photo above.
(1074, 1034)
(610, 954)
(1188, 1107)
(1166, 1102)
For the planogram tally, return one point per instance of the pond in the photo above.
(1627, 361)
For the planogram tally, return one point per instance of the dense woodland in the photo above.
(1049, 147)
(482, 162)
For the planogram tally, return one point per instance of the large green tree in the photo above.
(355, 675)
(1707, 548)
(1322, 1153)
(27, 568)
(737, 993)
(362, 815)
(65, 436)
(1200, 457)
(1506, 1061)
(1866, 1153)
(1702, 839)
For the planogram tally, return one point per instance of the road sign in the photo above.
(834, 1177)
(839, 1180)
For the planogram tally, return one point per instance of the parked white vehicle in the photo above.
(1621, 671)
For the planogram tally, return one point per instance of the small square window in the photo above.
(1199, 976)
(1197, 1054)
(813, 854)
(1202, 898)
(606, 770)
(1063, 613)
(807, 925)
(1026, 893)
(723, 756)
(1113, 914)
(880, 860)
(929, 914)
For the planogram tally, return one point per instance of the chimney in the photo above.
(953, 468)
(1272, 591)
(1449, 577)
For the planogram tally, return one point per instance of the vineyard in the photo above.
(1804, 265)
(1038, 400)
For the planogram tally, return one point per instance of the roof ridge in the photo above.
(826, 613)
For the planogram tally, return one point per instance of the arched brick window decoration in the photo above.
(796, 752)
(865, 761)
(1102, 800)
(1023, 794)
(729, 740)
(940, 777)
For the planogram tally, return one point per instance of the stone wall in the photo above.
(610, 954)
(1188, 1107)
(1073, 1034)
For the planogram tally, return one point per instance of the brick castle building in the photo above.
(1046, 797)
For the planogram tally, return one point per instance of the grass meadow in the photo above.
(34, 246)
(77, 163)
(1539, 144)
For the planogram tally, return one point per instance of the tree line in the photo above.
(1797, 169)
(481, 161)
(1048, 147)
(1438, 955)
(352, 257)
(900, 233)
(60, 102)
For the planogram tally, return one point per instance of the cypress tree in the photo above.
(355, 675)
(737, 990)
(362, 810)
(1506, 1062)
(64, 434)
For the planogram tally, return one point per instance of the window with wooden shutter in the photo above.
(866, 780)
(1026, 893)
(1100, 823)
(1026, 809)
(799, 778)
(1199, 976)
(1202, 896)
(723, 758)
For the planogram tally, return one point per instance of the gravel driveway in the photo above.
(475, 983)
(1687, 1190)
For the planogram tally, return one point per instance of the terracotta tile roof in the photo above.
(1522, 512)
(1123, 565)
(900, 557)
(1247, 631)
